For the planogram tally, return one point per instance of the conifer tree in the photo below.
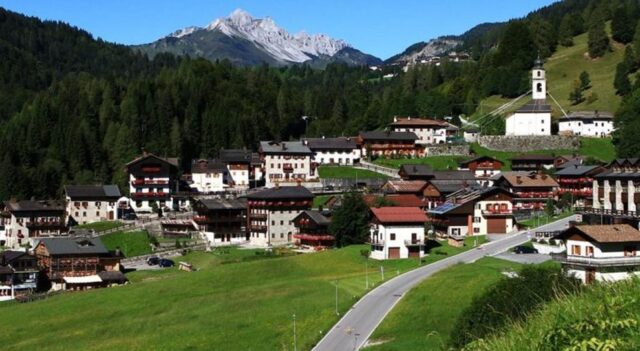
(598, 41)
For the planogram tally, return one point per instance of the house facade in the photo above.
(31, 219)
(531, 162)
(244, 168)
(397, 232)
(577, 181)
(597, 124)
(152, 179)
(600, 252)
(270, 214)
(534, 118)
(18, 274)
(483, 168)
(334, 151)
(616, 191)
(388, 144)
(531, 191)
(222, 221)
(428, 131)
(312, 229)
(91, 203)
(287, 163)
(208, 176)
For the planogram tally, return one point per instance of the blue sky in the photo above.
(379, 27)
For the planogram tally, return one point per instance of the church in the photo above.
(534, 118)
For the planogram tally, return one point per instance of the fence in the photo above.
(390, 172)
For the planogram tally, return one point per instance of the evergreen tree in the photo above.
(576, 94)
(350, 221)
(622, 25)
(598, 41)
(585, 81)
(565, 32)
(636, 44)
(627, 123)
(621, 81)
(544, 36)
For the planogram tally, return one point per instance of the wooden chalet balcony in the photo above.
(497, 212)
(287, 169)
(149, 195)
(600, 211)
(44, 224)
(576, 192)
(220, 219)
(257, 228)
(258, 215)
(575, 180)
(377, 242)
(314, 237)
(534, 194)
(414, 243)
(391, 146)
(596, 261)
(141, 182)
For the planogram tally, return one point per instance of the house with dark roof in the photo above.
(602, 253)
(334, 151)
(616, 193)
(577, 181)
(244, 168)
(482, 167)
(26, 220)
(287, 163)
(388, 144)
(152, 180)
(428, 131)
(208, 176)
(74, 263)
(222, 221)
(18, 274)
(312, 229)
(532, 162)
(474, 211)
(270, 214)
(416, 172)
(397, 232)
(534, 118)
(587, 123)
(91, 203)
(531, 191)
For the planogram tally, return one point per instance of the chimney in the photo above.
(409, 118)
(117, 252)
(299, 182)
(544, 177)
(519, 179)
(144, 152)
(395, 118)
(575, 165)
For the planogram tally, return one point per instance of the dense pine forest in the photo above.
(74, 109)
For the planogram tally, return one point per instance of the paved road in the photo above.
(357, 325)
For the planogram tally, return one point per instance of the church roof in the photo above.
(535, 106)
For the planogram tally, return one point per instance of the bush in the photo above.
(510, 300)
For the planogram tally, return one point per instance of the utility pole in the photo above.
(366, 272)
(382, 272)
(295, 343)
(337, 313)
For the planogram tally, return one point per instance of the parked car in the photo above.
(165, 262)
(153, 260)
(130, 216)
(525, 250)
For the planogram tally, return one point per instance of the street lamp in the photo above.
(295, 343)
(337, 313)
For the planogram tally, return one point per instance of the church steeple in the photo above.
(538, 81)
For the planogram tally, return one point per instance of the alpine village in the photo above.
(238, 187)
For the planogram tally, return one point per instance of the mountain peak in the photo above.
(240, 17)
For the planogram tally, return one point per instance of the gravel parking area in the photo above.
(523, 258)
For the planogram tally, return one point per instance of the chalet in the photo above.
(287, 162)
(534, 118)
(578, 182)
(428, 131)
(152, 179)
(388, 143)
(474, 211)
(29, 219)
(397, 232)
(530, 190)
(18, 274)
(312, 229)
(483, 168)
(529, 163)
(91, 203)
(587, 123)
(270, 214)
(616, 191)
(562, 162)
(416, 172)
(177, 228)
(600, 252)
(244, 168)
(334, 151)
(445, 183)
(75, 263)
(208, 176)
(222, 221)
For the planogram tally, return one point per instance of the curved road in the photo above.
(357, 325)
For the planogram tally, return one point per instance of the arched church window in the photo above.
(539, 87)
(539, 73)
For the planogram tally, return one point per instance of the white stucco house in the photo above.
(397, 232)
(601, 252)
(587, 123)
(534, 118)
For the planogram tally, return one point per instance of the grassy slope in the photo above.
(436, 162)
(424, 317)
(239, 306)
(613, 302)
(565, 66)
(134, 243)
(346, 172)
(100, 226)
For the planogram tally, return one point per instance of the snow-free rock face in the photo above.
(274, 42)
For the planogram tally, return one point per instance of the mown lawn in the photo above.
(101, 226)
(436, 162)
(424, 318)
(598, 148)
(133, 243)
(346, 172)
(245, 304)
(543, 219)
(320, 200)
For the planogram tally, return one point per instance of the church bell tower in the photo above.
(538, 81)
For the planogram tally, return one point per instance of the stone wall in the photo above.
(529, 143)
(447, 150)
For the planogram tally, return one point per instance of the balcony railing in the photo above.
(149, 195)
(506, 212)
(576, 192)
(597, 261)
(601, 211)
(377, 242)
(42, 224)
(413, 243)
(140, 182)
(534, 194)
(221, 219)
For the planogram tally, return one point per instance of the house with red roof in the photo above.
(397, 232)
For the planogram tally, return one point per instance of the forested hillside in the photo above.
(74, 109)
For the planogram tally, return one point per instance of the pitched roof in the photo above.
(92, 191)
(418, 122)
(315, 216)
(535, 106)
(35, 205)
(173, 161)
(236, 156)
(450, 185)
(417, 170)
(454, 175)
(616, 233)
(588, 115)
(284, 147)
(207, 166)
(74, 246)
(465, 195)
(401, 200)
(381, 135)
(224, 204)
(340, 143)
(399, 215)
(283, 192)
(9, 255)
(405, 186)
(575, 170)
(477, 159)
(528, 179)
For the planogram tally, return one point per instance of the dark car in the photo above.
(166, 263)
(153, 260)
(129, 216)
(525, 250)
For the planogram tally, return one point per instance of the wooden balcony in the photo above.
(497, 213)
(587, 261)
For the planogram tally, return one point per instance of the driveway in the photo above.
(357, 325)
(531, 258)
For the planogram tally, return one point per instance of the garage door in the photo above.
(497, 225)
(414, 251)
(394, 252)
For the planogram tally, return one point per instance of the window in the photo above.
(281, 222)
(97, 213)
(281, 235)
(539, 86)
(575, 250)
(477, 219)
(273, 222)
(392, 236)
(476, 230)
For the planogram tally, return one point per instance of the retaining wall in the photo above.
(529, 143)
